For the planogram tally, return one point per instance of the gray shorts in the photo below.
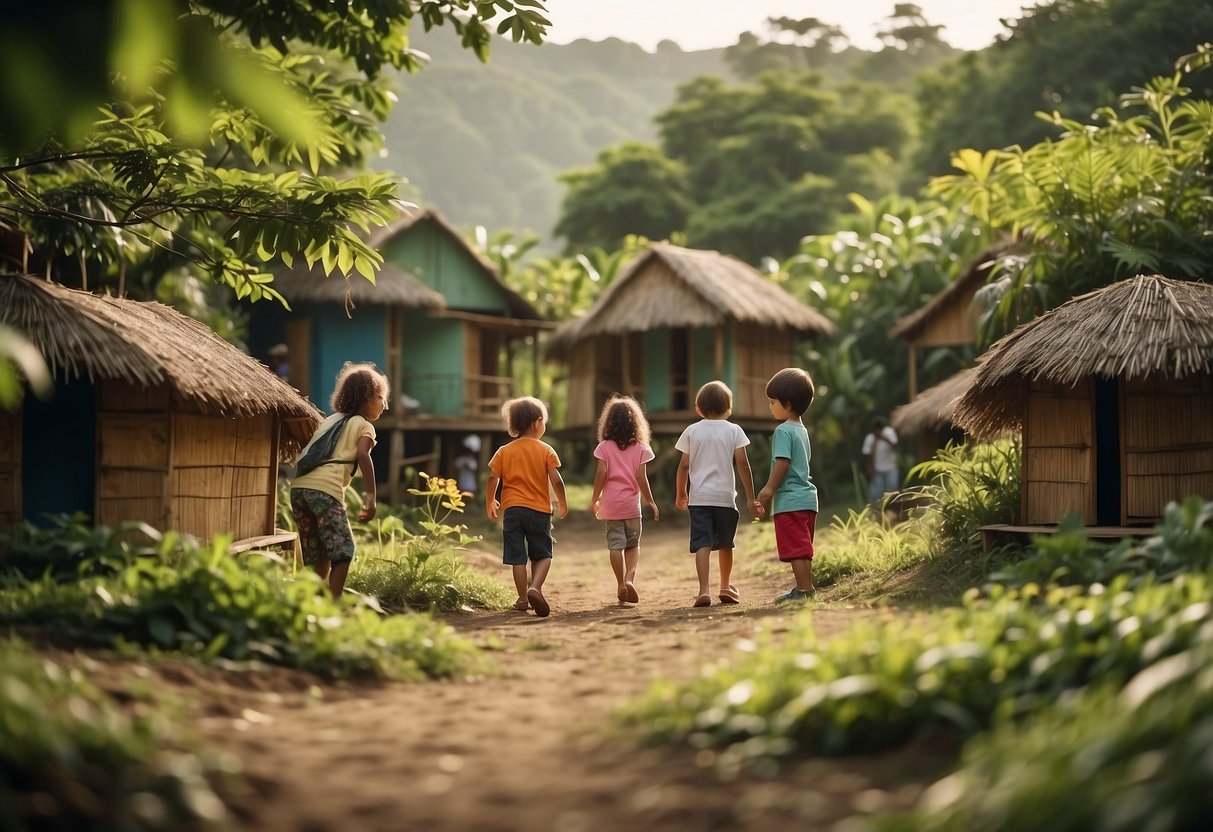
(623, 534)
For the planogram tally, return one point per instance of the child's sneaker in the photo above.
(795, 594)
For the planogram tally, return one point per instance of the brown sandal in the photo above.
(703, 601)
(730, 595)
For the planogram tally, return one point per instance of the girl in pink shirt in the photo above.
(623, 455)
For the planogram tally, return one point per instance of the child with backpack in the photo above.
(341, 444)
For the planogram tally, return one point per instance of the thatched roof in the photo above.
(518, 305)
(970, 280)
(933, 408)
(393, 286)
(1134, 329)
(671, 286)
(84, 335)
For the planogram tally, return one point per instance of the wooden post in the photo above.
(718, 359)
(275, 442)
(395, 465)
(913, 372)
(625, 356)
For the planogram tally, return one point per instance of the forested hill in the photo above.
(484, 144)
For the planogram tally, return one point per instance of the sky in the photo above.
(705, 24)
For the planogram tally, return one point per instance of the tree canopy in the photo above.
(211, 130)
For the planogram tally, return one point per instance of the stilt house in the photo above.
(438, 320)
(1112, 394)
(154, 418)
(675, 319)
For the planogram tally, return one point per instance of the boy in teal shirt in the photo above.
(790, 488)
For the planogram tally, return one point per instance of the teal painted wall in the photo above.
(703, 352)
(657, 369)
(337, 339)
(433, 362)
(441, 263)
(59, 452)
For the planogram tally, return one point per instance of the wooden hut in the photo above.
(1112, 394)
(438, 320)
(930, 416)
(154, 418)
(949, 319)
(673, 320)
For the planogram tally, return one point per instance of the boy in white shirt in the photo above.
(712, 449)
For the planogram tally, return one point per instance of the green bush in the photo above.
(70, 547)
(208, 603)
(884, 683)
(1182, 543)
(71, 760)
(1100, 761)
(970, 486)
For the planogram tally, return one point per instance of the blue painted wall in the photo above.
(59, 452)
(337, 339)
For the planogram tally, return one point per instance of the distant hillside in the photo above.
(484, 143)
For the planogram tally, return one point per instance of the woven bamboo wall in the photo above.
(1058, 456)
(134, 440)
(581, 386)
(1167, 444)
(10, 468)
(760, 354)
(951, 325)
(223, 475)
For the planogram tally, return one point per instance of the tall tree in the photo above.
(210, 130)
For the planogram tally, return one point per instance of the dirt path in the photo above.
(529, 748)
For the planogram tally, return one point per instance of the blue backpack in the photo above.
(321, 450)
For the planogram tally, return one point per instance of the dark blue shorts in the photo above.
(712, 527)
(525, 532)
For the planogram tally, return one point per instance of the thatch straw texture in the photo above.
(933, 408)
(393, 286)
(671, 286)
(85, 335)
(518, 305)
(969, 281)
(1146, 327)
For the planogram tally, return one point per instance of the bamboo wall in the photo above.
(203, 475)
(1166, 444)
(760, 353)
(134, 445)
(10, 468)
(1058, 454)
(581, 385)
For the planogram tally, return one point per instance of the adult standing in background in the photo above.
(279, 364)
(880, 460)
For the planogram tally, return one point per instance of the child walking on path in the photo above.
(318, 496)
(790, 492)
(711, 449)
(623, 455)
(525, 468)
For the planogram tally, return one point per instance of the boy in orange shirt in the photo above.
(525, 468)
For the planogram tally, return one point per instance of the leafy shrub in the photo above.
(70, 760)
(421, 567)
(1182, 543)
(70, 547)
(972, 485)
(881, 684)
(1100, 761)
(210, 604)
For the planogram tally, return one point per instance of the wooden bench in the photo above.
(1000, 531)
(284, 542)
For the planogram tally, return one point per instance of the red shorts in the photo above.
(794, 534)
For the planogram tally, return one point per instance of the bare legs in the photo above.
(538, 574)
(703, 567)
(802, 570)
(623, 564)
(335, 573)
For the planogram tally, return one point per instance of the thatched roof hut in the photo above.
(669, 286)
(930, 416)
(393, 286)
(1113, 395)
(154, 418)
(674, 319)
(949, 319)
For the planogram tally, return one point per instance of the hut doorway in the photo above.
(680, 369)
(59, 452)
(1107, 452)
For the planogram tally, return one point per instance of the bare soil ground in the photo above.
(532, 744)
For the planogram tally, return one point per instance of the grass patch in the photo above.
(71, 759)
(402, 579)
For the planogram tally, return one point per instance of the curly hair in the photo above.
(623, 422)
(714, 399)
(358, 384)
(519, 414)
(794, 387)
